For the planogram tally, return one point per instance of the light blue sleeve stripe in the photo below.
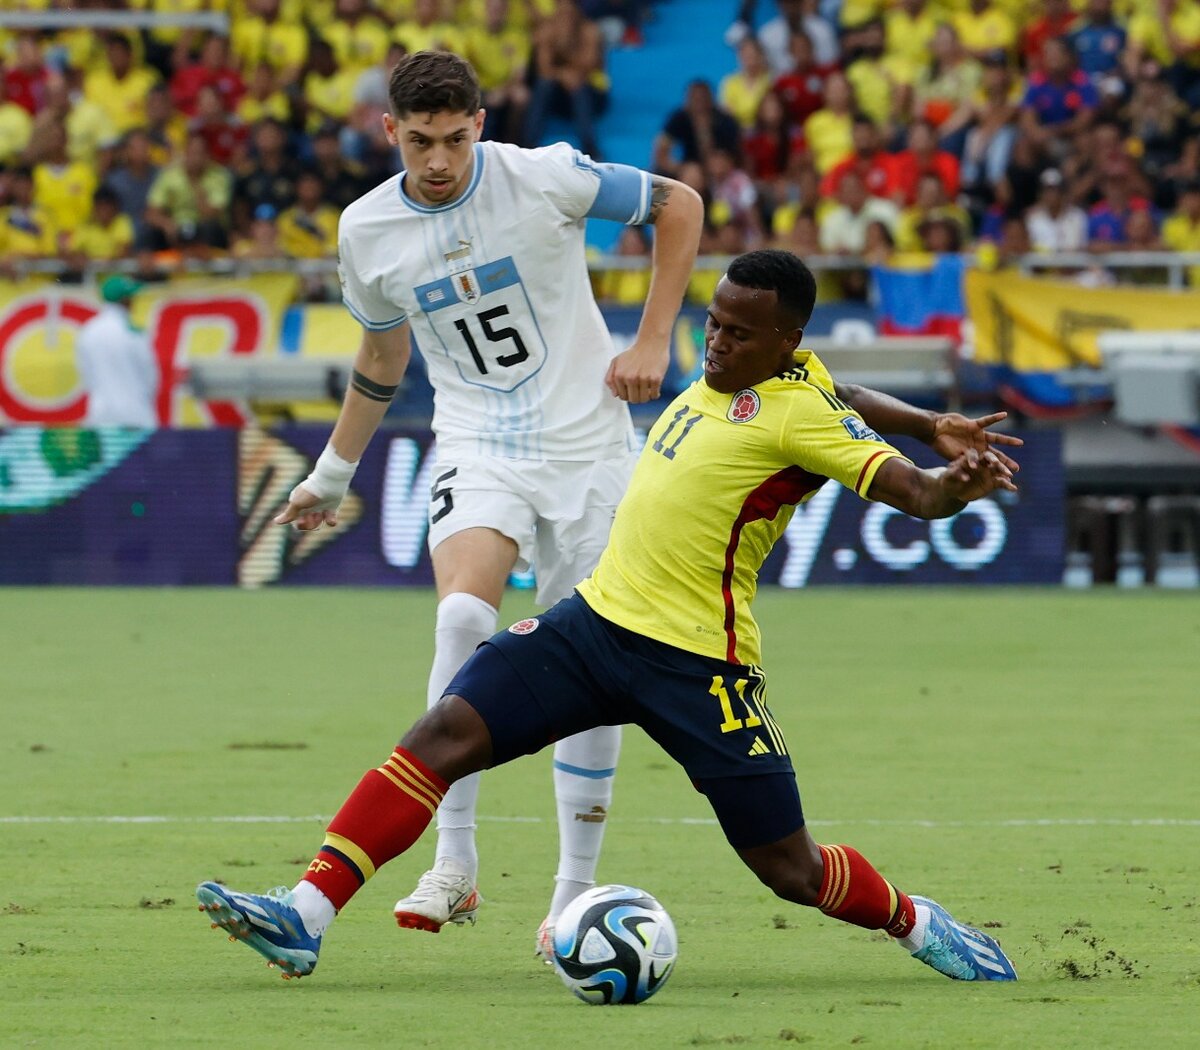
(624, 194)
(375, 326)
(579, 771)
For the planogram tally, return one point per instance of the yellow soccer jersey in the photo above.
(716, 485)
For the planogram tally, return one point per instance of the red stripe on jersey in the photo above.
(863, 473)
(787, 487)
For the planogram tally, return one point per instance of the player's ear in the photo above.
(389, 129)
(479, 118)
(794, 338)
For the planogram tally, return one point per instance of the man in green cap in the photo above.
(115, 362)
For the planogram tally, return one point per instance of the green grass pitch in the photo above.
(1026, 757)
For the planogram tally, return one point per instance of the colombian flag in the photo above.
(925, 299)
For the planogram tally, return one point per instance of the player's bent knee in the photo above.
(451, 739)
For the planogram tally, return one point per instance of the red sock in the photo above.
(853, 891)
(383, 816)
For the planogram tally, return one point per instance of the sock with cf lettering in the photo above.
(853, 891)
(381, 819)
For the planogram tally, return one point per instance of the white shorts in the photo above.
(557, 512)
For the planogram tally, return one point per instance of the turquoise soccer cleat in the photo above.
(961, 952)
(266, 922)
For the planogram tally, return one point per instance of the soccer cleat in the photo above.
(445, 894)
(266, 922)
(960, 952)
(544, 949)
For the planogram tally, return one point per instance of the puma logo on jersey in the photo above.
(461, 252)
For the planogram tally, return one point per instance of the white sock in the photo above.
(915, 941)
(583, 785)
(316, 910)
(463, 622)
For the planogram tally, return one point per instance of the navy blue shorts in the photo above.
(570, 669)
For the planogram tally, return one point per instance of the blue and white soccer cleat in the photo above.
(960, 952)
(266, 922)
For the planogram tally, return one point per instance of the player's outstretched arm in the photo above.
(941, 492)
(378, 369)
(677, 213)
(949, 434)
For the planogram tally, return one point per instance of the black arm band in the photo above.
(369, 388)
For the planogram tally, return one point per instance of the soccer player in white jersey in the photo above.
(477, 249)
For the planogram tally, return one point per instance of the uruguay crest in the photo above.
(467, 286)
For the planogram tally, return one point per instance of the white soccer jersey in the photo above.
(496, 288)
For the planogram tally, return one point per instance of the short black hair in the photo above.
(783, 273)
(433, 82)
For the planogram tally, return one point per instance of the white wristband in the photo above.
(331, 477)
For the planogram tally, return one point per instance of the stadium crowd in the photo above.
(863, 128)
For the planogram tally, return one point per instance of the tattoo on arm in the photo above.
(370, 389)
(660, 193)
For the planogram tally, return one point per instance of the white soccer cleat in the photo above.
(445, 894)
(544, 949)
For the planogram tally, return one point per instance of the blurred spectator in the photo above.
(1012, 242)
(344, 181)
(187, 205)
(844, 227)
(878, 244)
(1060, 101)
(62, 188)
(992, 132)
(694, 131)
(1056, 23)
(359, 40)
(1182, 25)
(264, 98)
(211, 69)
(426, 30)
(328, 90)
(16, 125)
(627, 287)
(270, 177)
(908, 37)
(1141, 232)
(1098, 41)
(1181, 230)
(799, 191)
(803, 87)
(25, 229)
(742, 90)
(876, 168)
(222, 132)
(108, 234)
(931, 204)
(734, 199)
(772, 142)
(308, 229)
(945, 93)
(569, 77)
(1054, 224)
(795, 16)
(829, 131)
(922, 157)
(371, 87)
(985, 29)
(500, 55)
(1107, 219)
(263, 239)
(165, 127)
(1158, 124)
(25, 74)
(264, 35)
(130, 180)
(939, 235)
(90, 132)
(115, 361)
(118, 86)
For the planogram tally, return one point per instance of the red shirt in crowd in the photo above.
(765, 159)
(1046, 28)
(878, 172)
(908, 169)
(27, 89)
(803, 91)
(223, 138)
(188, 81)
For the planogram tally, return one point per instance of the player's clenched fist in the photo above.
(636, 375)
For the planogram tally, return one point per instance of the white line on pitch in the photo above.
(1039, 822)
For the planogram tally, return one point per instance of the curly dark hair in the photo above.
(782, 273)
(433, 82)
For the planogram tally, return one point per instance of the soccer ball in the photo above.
(614, 944)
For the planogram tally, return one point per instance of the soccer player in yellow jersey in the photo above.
(661, 635)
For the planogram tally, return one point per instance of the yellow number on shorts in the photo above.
(732, 723)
